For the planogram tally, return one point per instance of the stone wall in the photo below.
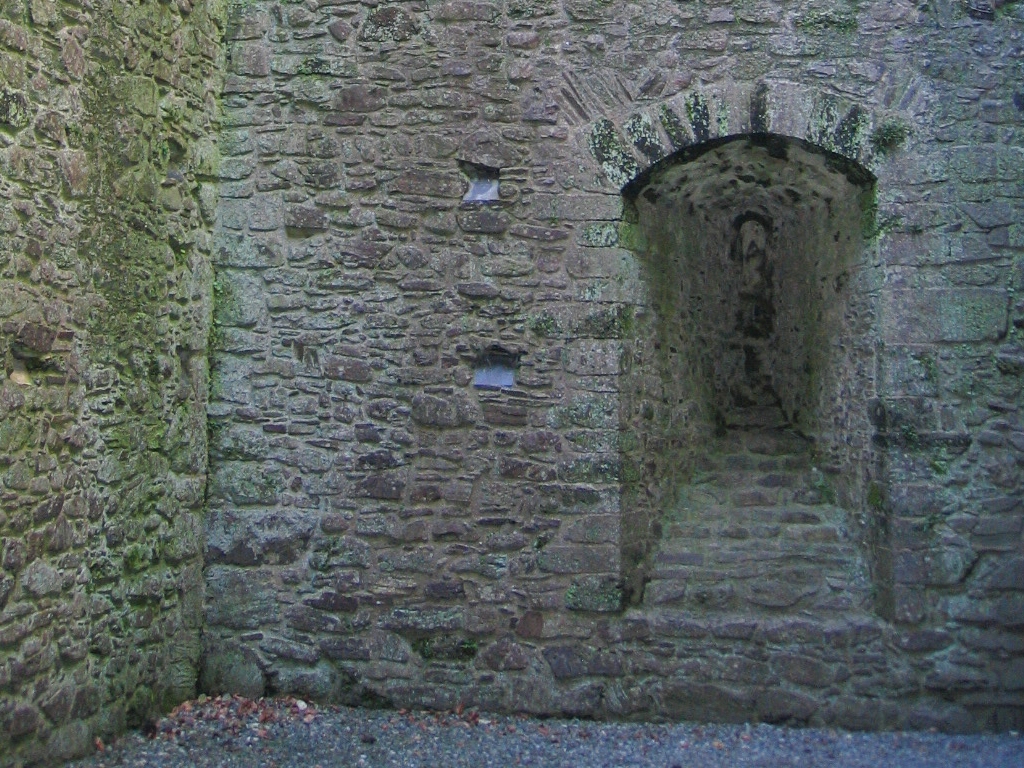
(106, 168)
(384, 522)
(380, 528)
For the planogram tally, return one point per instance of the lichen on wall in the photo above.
(105, 295)
(378, 528)
(407, 536)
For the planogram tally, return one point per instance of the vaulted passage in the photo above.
(750, 375)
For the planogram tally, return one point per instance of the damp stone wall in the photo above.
(107, 196)
(428, 458)
(381, 530)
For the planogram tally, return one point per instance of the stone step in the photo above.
(746, 558)
(751, 490)
(804, 524)
(750, 462)
(756, 417)
(764, 586)
(757, 531)
(765, 556)
(761, 442)
(801, 632)
(758, 599)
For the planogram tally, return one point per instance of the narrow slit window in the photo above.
(496, 369)
(483, 183)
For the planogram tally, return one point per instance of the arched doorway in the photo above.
(748, 378)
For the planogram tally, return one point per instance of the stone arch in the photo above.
(625, 147)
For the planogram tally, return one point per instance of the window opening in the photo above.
(495, 368)
(483, 182)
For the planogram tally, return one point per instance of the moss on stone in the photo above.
(444, 647)
(849, 133)
(594, 594)
(612, 154)
(699, 115)
(544, 325)
(640, 130)
(632, 237)
(610, 323)
(674, 127)
(889, 136)
(599, 235)
(823, 122)
(831, 20)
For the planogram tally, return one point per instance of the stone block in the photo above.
(319, 682)
(778, 705)
(804, 670)
(388, 23)
(232, 669)
(578, 559)
(594, 529)
(594, 358)
(15, 110)
(505, 655)
(429, 184)
(247, 23)
(464, 10)
(483, 221)
(594, 594)
(41, 579)
(854, 714)
(1006, 573)
(445, 412)
(566, 662)
(307, 619)
(287, 649)
(991, 214)
(305, 219)
(239, 598)
(1004, 611)
(20, 720)
(347, 369)
(250, 59)
(69, 741)
(244, 483)
(946, 315)
(383, 485)
(940, 716)
(424, 619)
(703, 702)
(240, 302)
(530, 625)
(360, 98)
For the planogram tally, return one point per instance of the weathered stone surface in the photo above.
(388, 23)
(236, 602)
(424, 619)
(851, 270)
(231, 670)
(505, 655)
(105, 309)
(445, 412)
(949, 315)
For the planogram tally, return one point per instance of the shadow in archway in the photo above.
(748, 380)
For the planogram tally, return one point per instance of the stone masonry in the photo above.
(107, 180)
(617, 534)
(620, 360)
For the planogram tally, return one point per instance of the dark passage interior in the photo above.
(748, 377)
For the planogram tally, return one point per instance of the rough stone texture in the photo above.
(106, 159)
(710, 492)
(436, 542)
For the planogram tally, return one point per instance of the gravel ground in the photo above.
(289, 733)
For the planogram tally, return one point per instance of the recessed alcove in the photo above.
(757, 325)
